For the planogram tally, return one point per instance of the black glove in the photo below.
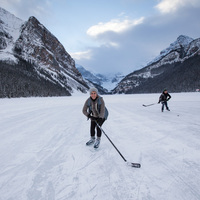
(91, 117)
(99, 120)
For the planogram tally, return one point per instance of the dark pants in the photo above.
(94, 125)
(164, 103)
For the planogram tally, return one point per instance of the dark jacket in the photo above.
(164, 97)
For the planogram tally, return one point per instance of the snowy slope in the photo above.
(10, 32)
(44, 157)
(182, 41)
(10, 23)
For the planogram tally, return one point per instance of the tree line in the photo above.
(22, 80)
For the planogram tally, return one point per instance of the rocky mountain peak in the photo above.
(39, 45)
(32, 42)
(182, 42)
(177, 67)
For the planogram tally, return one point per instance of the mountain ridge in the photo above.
(32, 43)
(104, 82)
(184, 52)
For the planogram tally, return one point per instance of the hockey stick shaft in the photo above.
(149, 104)
(137, 165)
(111, 142)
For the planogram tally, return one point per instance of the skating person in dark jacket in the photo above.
(94, 109)
(164, 97)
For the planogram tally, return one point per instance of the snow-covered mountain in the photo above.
(30, 42)
(106, 81)
(10, 31)
(88, 75)
(182, 42)
(177, 68)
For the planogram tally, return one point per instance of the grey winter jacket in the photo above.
(96, 110)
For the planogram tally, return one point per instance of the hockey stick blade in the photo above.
(136, 165)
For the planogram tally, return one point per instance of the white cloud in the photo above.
(167, 6)
(138, 45)
(81, 55)
(114, 25)
(113, 44)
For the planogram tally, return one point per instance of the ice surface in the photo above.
(43, 155)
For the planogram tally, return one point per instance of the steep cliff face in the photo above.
(157, 74)
(37, 44)
(31, 42)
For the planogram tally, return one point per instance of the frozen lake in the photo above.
(44, 157)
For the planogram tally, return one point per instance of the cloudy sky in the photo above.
(109, 36)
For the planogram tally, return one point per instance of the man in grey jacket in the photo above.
(94, 109)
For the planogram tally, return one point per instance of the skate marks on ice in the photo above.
(168, 175)
(97, 174)
(167, 146)
(44, 156)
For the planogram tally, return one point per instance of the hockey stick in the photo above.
(149, 104)
(137, 165)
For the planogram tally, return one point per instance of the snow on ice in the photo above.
(44, 157)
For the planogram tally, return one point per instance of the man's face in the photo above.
(93, 95)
